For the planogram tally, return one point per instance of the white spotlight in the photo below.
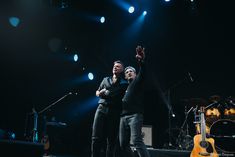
(131, 9)
(167, 0)
(145, 13)
(102, 19)
(75, 58)
(90, 76)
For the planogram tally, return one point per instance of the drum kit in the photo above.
(220, 120)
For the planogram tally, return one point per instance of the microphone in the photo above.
(190, 77)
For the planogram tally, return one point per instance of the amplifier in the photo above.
(147, 132)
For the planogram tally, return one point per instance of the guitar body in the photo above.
(203, 148)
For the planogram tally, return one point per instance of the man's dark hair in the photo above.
(120, 62)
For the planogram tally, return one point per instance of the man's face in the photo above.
(130, 74)
(117, 68)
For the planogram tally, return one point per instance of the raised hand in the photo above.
(140, 54)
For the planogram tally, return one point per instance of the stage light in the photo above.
(75, 58)
(11, 135)
(90, 76)
(145, 13)
(167, 0)
(102, 19)
(7, 135)
(14, 21)
(131, 9)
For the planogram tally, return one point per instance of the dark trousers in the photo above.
(105, 131)
(131, 130)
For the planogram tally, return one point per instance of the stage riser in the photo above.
(167, 153)
(21, 149)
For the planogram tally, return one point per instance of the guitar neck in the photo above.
(203, 127)
(203, 123)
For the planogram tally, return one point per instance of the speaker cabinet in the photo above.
(147, 132)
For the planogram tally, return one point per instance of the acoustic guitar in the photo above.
(203, 146)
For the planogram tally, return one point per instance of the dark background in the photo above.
(180, 37)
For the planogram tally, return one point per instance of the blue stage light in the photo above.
(75, 57)
(14, 21)
(145, 13)
(11, 135)
(102, 19)
(131, 9)
(90, 76)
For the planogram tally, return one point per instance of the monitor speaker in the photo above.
(147, 132)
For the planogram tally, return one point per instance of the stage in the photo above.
(29, 149)
(168, 153)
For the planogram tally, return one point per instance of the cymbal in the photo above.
(196, 102)
(230, 99)
(214, 98)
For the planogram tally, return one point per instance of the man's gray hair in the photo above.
(130, 67)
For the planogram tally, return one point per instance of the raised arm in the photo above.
(140, 54)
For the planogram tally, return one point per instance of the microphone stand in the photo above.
(170, 113)
(54, 103)
(47, 108)
(36, 114)
(182, 130)
(34, 132)
(35, 125)
(169, 106)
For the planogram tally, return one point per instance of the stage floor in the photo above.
(29, 149)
